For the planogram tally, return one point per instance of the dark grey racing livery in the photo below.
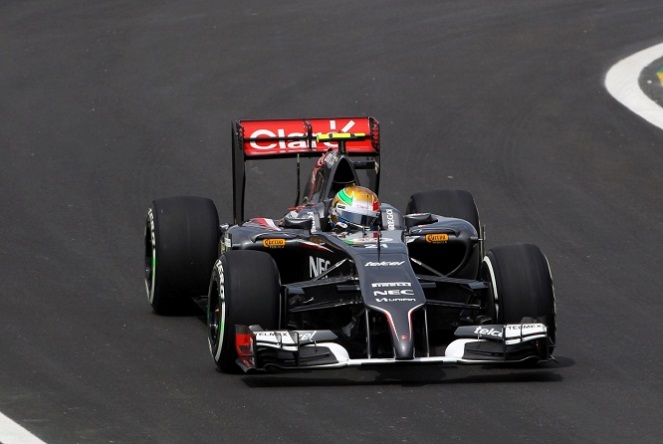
(297, 293)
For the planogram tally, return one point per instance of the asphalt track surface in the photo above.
(105, 105)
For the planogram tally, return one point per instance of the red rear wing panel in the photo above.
(286, 137)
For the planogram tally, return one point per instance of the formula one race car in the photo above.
(342, 279)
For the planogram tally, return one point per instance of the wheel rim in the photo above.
(216, 314)
(213, 318)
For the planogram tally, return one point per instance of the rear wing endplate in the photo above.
(261, 139)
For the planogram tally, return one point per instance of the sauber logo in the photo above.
(283, 133)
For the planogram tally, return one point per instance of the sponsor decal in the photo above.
(390, 219)
(395, 300)
(393, 292)
(307, 336)
(153, 238)
(293, 145)
(150, 275)
(390, 284)
(513, 330)
(496, 333)
(273, 243)
(385, 264)
(437, 238)
(382, 245)
(218, 266)
(276, 339)
(314, 225)
(317, 266)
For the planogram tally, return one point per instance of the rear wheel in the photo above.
(522, 286)
(244, 290)
(181, 237)
(458, 204)
(449, 203)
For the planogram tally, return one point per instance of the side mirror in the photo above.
(414, 219)
(300, 223)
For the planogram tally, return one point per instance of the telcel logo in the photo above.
(273, 243)
(437, 238)
(480, 331)
(385, 264)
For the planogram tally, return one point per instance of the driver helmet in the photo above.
(356, 207)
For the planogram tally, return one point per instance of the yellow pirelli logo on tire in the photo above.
(437, 238)
(273, 243)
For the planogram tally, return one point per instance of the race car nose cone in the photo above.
(404, 348)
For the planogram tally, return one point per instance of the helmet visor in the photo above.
(364, 220)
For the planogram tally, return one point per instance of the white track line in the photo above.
(12, 433)
(622, 82)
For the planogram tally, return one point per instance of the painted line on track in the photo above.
(12, 433)
(622, 82)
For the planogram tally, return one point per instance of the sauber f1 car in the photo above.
(295, 293)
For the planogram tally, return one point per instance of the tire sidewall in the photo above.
(245, 289)
(515, 298)
(221, 339)
(150, 255)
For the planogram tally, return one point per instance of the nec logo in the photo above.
(385, 264)
(393, 293)
(317, 266)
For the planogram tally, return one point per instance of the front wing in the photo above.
(258, 349)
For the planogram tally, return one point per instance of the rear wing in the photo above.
(264, 139)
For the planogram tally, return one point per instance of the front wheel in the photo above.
(244, 289)
(522, 287)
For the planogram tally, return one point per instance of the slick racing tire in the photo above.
(458, 204)
(181, 245)
(449, 203)
(244, 290)
(521, 287)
